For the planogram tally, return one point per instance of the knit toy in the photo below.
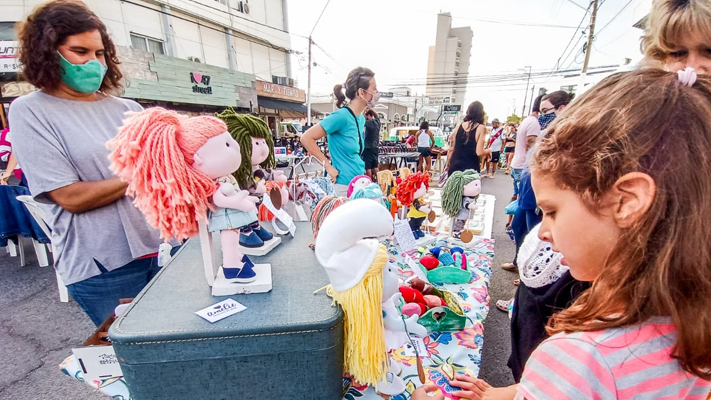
(257, 151)
(322, 210)
(360, 181)
(411, 193)
(365, 285)
(459, 197)
(179, 168)
(371, 191)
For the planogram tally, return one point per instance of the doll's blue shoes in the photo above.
(419, 234)
(263, 234)
(245, 274)
(250, 240)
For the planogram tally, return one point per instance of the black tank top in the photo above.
(464, 156)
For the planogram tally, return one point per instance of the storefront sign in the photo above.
(452, 108)
(268, 89)
(200, 79)
(8, 56)
(438, 100)
(387, 95)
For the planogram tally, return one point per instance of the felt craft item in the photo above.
(435, 251)
(411, 309)
(411, 295)
(432, 301)
(445, 259)
(418, 284)
(360, 181)
(444, 318)
(429, 262)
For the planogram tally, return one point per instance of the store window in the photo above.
(147, 44)
(7, 31)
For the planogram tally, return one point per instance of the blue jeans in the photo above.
(516, 175)
(523, 222)
(99, 295)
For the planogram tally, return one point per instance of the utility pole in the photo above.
(525, 94)
(588, 46)
(308, 90)
(530, 106)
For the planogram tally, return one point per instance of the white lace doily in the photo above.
(538, 264)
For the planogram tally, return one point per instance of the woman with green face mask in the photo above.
(104, 249)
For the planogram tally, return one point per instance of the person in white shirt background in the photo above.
(495, 144)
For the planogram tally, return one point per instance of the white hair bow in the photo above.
(687, 76)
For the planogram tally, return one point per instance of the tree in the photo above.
(513, 119)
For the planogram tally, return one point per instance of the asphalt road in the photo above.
(37, 331)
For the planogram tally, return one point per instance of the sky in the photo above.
(392, 37)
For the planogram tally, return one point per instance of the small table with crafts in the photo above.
(442, 352)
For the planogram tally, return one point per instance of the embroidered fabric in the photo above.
(538, 264)
(320, 187)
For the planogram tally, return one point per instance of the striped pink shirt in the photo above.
(621, 363)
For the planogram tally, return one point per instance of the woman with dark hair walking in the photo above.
(425, 140)
(104, 249)
(344, 129)
(468, 142)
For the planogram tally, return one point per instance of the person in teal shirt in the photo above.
(344, 129)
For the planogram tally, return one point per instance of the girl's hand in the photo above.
(332, 172)
(421, 393)
(5, 176)
(472, 388)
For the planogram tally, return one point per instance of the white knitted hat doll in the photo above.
(538, 264)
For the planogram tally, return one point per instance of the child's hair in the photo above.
(243, 127)
(670, 21)
(153, 152)
(643, 121)
(453, 188)
(405, 191)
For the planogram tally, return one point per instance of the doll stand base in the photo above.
(263, 283)
(263, 250)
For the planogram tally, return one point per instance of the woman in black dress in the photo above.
(468, 142)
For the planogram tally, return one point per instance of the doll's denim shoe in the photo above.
(263, 234)
(414, 233)
(419, 233)
(251, 240)
(245, 274)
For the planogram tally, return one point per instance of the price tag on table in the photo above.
(403, 235)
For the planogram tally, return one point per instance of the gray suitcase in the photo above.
(288, 343)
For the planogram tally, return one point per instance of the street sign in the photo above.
(387, 95)
(438, 99)
(452, 108)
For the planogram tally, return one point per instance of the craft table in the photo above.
(462, 349)
(392, 158)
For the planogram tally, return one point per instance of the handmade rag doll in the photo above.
(178, 170)
(366, 286)
(459, 197)
(411, 192)
(257, 150)
(359, 181)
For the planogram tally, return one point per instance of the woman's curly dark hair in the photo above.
(49, 26)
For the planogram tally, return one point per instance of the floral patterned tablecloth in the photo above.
(461, 349)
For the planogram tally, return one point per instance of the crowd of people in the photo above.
(613, 244)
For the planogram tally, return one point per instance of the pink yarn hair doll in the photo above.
(359, 181)
(178, 170)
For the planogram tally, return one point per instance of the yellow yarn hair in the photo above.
(366, 356)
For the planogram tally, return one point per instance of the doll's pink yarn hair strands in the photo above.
(153, 152)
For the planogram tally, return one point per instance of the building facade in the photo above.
(190, 55)
(448, 65)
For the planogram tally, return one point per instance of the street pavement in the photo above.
(37, 331)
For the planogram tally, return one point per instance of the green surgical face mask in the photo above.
(85, 78)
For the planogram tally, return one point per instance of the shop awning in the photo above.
(274, 104)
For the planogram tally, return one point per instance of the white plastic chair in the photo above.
(39, 215)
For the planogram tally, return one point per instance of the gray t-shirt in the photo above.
(60, 142)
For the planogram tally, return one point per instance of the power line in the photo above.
(613, 18)
(319, 18)
(558, 63)
(576, 4)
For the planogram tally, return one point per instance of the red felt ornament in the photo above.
(411, 295)
(429, 262)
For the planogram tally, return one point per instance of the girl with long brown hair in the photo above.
(631, 217)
